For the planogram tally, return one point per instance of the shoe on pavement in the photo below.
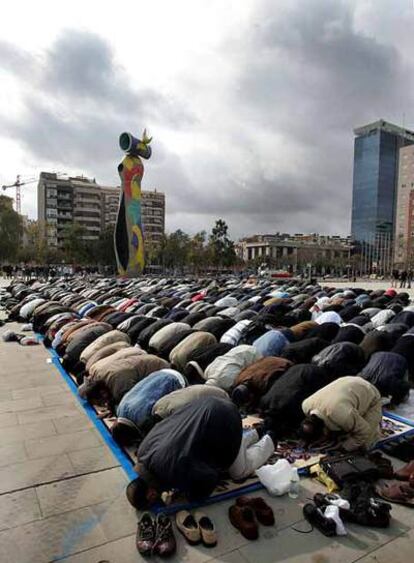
(262, 510)
(207, 529)
(145, 537)
(165, 544)
(315, 516)
(242, 518)
(188, 527)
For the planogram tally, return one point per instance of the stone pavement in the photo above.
(62, 492)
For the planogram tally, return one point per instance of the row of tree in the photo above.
(177, 251)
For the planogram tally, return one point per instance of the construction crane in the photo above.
(17, 184)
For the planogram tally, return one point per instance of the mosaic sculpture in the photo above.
(129, 239)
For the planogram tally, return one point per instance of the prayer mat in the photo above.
(393, 428)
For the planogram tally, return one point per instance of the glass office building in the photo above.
(374, 195)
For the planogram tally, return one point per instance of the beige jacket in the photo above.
(170, 403)
(104, 352)
(179, 355)
(351, 405)
(165, 333)
(108, 338)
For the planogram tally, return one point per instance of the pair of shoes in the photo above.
(244, 513)
(197, 528)
(317, 519)
(155, 537)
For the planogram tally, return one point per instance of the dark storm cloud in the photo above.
(80, 67)
(79, 102)
(308, 75)
(303, 75)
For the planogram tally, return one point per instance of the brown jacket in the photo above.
(301, 329)
(259, 376)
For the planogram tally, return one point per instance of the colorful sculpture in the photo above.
(129, 239)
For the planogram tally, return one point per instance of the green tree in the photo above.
(75, 248)
(175, 250)
(198, 256)
(35, 247)
(102, 250)
(11, 230)
(222, 247)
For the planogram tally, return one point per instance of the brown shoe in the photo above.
(188, 527)
(405, 472)
(145, 537)
(242, 518)
(165, 544)
(263, 512)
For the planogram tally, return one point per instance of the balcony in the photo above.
(83, 210)
(64, 196)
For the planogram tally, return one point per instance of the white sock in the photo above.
(332, 512)
(340, 503)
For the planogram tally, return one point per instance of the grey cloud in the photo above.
(15, 60)
(304, 74)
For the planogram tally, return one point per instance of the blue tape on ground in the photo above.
(120, 455)
(399, 418)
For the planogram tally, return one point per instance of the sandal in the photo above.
(399, 493)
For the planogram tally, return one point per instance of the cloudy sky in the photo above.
(251, 103)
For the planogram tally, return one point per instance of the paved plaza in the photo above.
(63, 492)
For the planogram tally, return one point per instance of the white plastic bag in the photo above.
(276, 478)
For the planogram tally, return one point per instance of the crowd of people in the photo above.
(179, 363)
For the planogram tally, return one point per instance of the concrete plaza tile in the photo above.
(60, 444)
(22, 432)
(19, 508)
(62, 397)
(7, 420)
(51, 538)
(47, 413)
(26, 381)
(291, 545)
(73, 423)
(120, 551)
(399, 550)
(20, 405)
(232, 557)
(12, 453)
(81, 491)
(6, 396)
(116, 510)
(34, 472)
(93, 459)
(40, 391)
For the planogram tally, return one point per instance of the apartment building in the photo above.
(94, 206)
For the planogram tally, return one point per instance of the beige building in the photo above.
(404, 219)
(284, 250)
(84, 201)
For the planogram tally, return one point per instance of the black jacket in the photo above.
(282, 404)
(326, 331)
(386, 370)
(189, 449)
(303, 351)
(342, 358)
(376, 341)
